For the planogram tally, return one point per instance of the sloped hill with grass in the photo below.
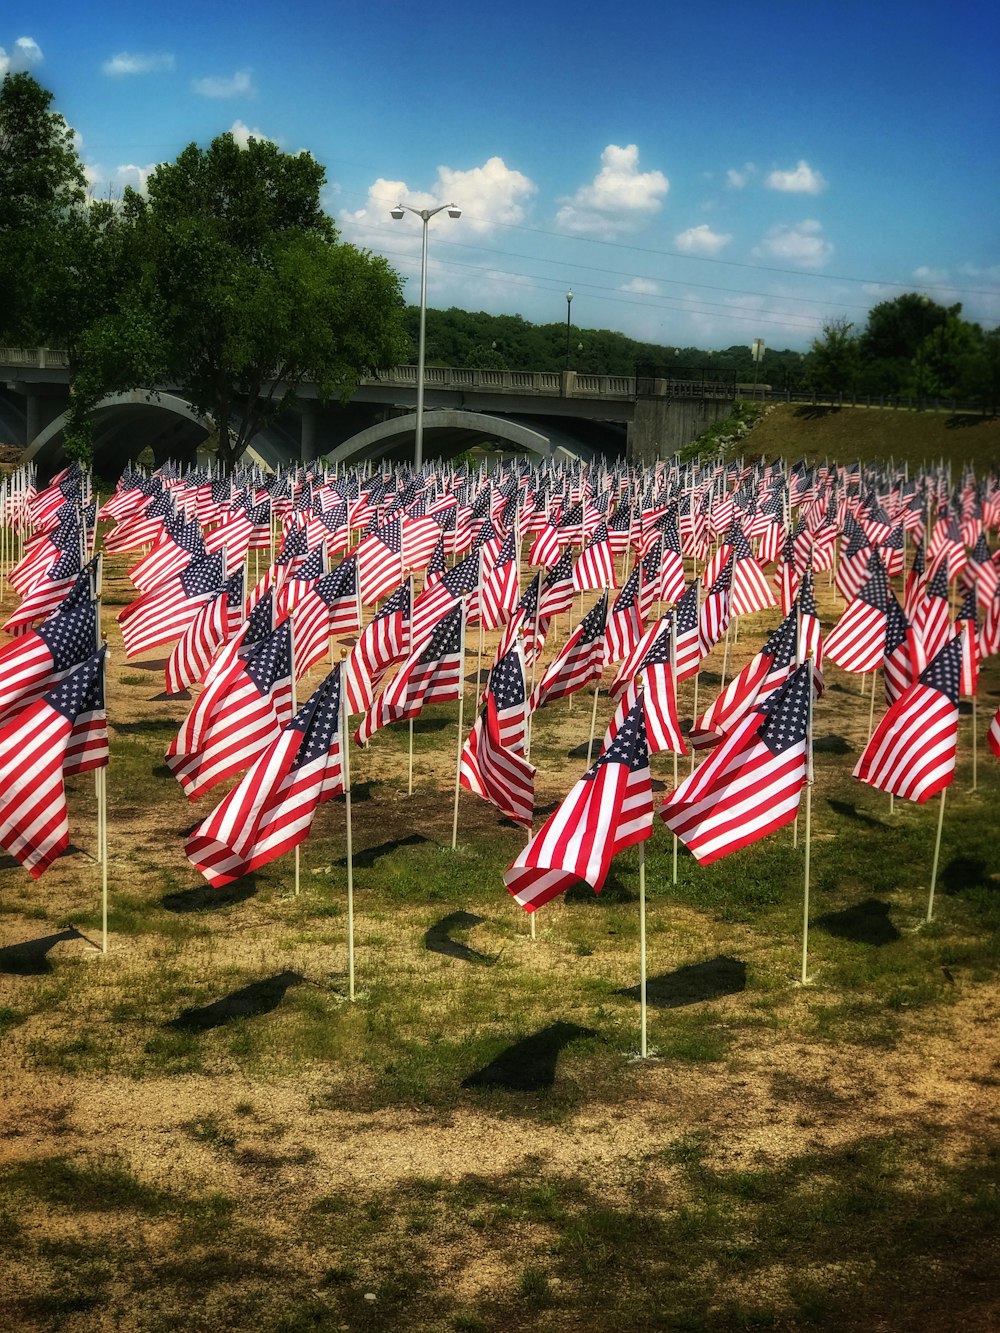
(793, 431)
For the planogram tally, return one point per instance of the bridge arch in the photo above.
(448, 430)
(126, 423)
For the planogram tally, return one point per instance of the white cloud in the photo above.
(26, 53)
(701, 240)
(488, 196)
(642, 286)
(243, 134)
(134, 62)
(618, 200)
(801, 180)
(931, 276)
(104, 184)
(802, 244)
(240, 84)
(737, 178)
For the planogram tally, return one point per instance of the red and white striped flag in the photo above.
(912, 753)
(492, 762)
(272, 809)
(213, 626)
(609, 809)
(382, 642)
(857, 641)
(237, 716)
(430, 675)
(34, 662)
(63, 732)
(580, 661)
(750, 786)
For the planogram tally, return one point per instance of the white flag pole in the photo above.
(643, 1045)
(461, 721)
(673, 686)
(804, 979)
(937, 856)
(291, 653)
(345, 753)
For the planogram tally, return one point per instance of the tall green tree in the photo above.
(833, 365)
(42, 184)
(255, 293)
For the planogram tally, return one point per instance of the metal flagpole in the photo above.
(804, 979)
(593, 722)
(937, 856)
(643, 1046)
(291, 651)
(461, 720)
(673, 686)
(345, 753)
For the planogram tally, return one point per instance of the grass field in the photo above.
(200, 1132)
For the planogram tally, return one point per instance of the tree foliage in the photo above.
(41, 184)
(255, 293)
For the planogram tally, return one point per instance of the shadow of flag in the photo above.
(529, 1065)
(693, 984)
(260, 997)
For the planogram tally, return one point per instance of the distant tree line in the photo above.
(481, 341)
(909, 347)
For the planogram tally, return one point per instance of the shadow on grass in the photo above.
(529, 1065)
(203, 898)
(429, 726)
(370, 855)
(260, 997)
(966, 872)
(29, 959)
(614, 891)
(693, 984)
(150, 726)
(832, 745)
(438, 938)
(181, 696)
(584, 749)
(864, 923)
(850, 811)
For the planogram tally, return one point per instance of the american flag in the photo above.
(492, 760)
(272, 809)
(47, 593)
(653, 673)
(210, 629)
(932, 613)
(857, 641)
(141, 529)
(750, 589)
(609, 809)
(624, 625)
(236, 717)
(912, 753)
(548, 545)
(993, 735)
(34, 662)
(761, 676)
(810, 638)
(166, 611)
(179, 543)
(296, 586)
(713, 618)
(526, 622)
(556, 596)
(750, 786)
(500, 589)
(670, 585)
(332, 606)
(595, 567)
(442, 596)
(966, 624)
(380, 561)
(382, 642)
(687, 624)
(903, 655)
(580, 661)
(430, 675)
(62, 732)
(915, 581)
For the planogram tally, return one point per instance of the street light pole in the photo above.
(425, 215)
(569, 303)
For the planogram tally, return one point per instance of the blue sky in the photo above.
(701, 176)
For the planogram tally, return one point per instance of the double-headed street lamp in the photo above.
(425, 215)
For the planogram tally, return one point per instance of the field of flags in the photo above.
(307, 611)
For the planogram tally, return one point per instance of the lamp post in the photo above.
(569, 304)
(425, 215)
